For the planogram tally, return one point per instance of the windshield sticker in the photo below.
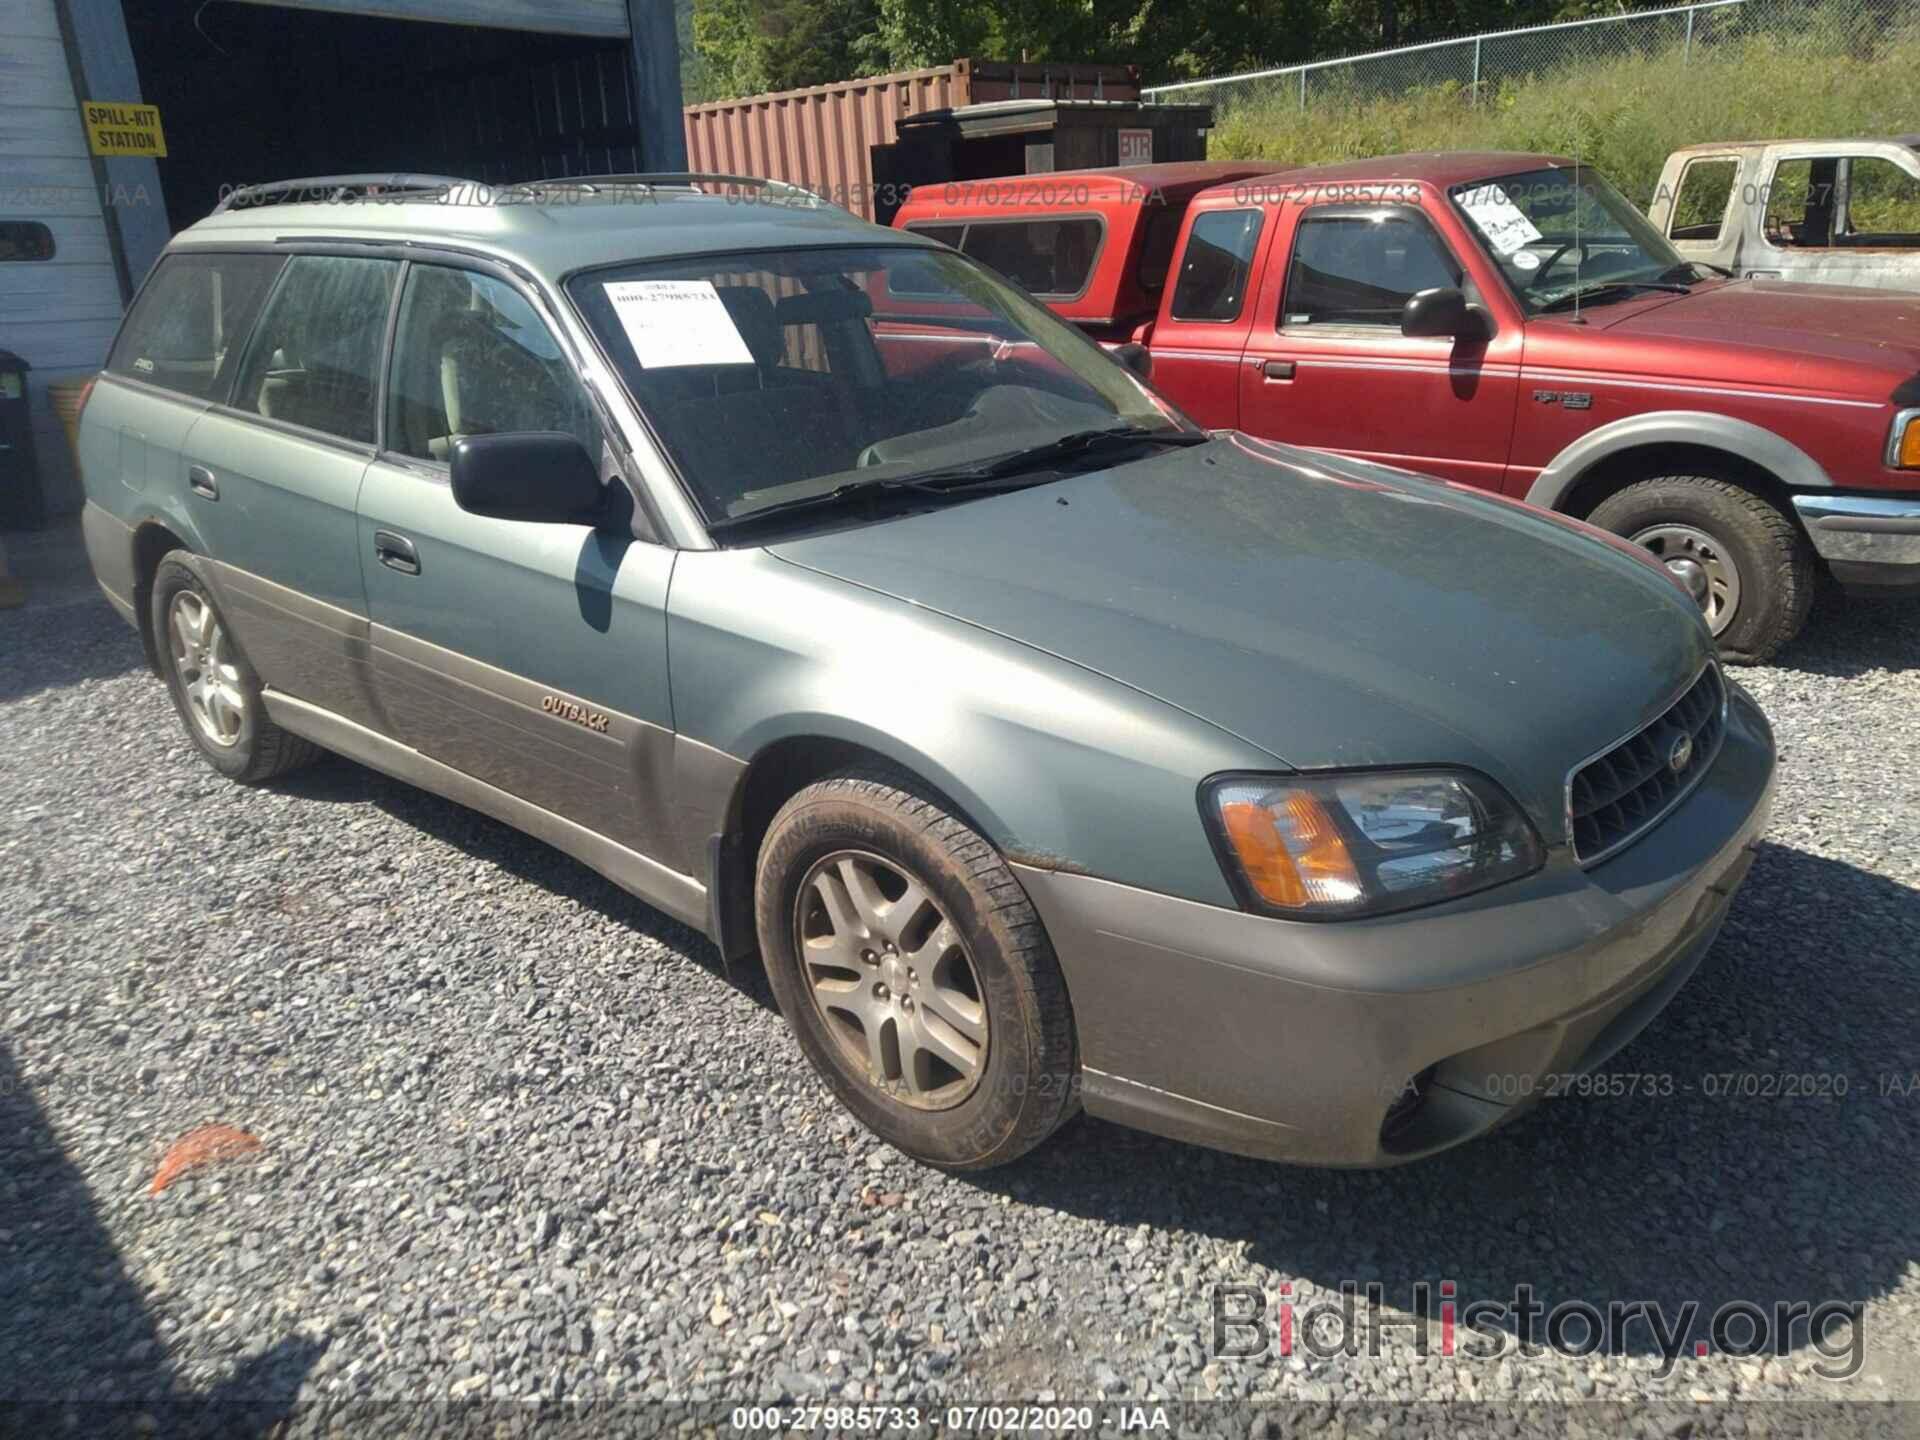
(1503, 223)
(1526, 260)
(677, 322)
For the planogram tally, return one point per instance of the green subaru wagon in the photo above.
(816, 585)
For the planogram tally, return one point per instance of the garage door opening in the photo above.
(249, 93)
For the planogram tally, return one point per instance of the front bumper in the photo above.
(1870, 542)
(1294, 1041)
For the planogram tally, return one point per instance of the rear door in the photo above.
(530, 656)
(1328, 367)
(1202, 331)
(275, 472)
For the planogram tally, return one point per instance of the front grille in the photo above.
(1618, 796)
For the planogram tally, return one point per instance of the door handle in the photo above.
(200, 480)
(396, 552)
(1277, 369)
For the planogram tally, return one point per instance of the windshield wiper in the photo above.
(1007, 472)
(1687, 272)
(1041, 457)
(1610, 288)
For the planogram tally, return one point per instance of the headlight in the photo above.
(1903, 442)
(1326, 847)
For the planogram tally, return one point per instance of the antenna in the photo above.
(1579, 255)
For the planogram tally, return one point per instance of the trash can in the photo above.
(66, 399)
(22, 507)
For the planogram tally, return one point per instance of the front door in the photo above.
(1327, 366)
(530, 656)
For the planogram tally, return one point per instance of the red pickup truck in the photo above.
(1506, 321)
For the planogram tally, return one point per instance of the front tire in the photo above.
(914, 972)
(1745, 561)
(214, 688)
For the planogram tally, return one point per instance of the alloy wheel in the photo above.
(203, 658)
(892, 979)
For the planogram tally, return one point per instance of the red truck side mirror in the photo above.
(1136, 357)
(1443, 310)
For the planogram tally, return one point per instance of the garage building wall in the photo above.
(58, 315)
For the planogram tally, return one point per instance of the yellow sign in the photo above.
(114, 129)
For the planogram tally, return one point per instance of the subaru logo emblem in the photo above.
(1681, 755)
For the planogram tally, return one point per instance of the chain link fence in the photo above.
(1477, 65)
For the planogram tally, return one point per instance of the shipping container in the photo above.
(822, 137)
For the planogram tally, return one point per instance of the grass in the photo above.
(1622, 116)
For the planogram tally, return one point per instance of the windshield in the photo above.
(773, 377)
(1557, 231)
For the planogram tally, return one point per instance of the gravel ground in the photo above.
(522, 1137)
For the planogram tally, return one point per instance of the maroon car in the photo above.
(1511, 322)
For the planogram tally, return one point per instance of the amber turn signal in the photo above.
(1314, 868)
(1906, 452)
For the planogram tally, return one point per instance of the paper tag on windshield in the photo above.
(1503, 223)
(677, 322)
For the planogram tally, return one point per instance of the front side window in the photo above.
(470, 357)
(782, 376)
(1562, 237)
(1362, 269)
(187, 328)
(1215, 267)
(1700, 207)
(1800, 202)
(314, 360)
(1883, 203)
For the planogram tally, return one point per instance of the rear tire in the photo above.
(1758, 566)
(214, 688)
(914, 972)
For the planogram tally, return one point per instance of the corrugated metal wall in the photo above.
(817, 137)
(58, 315)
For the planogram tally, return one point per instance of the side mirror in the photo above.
(1444, 311)
(1136, 357)
(540, 475)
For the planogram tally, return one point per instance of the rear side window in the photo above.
(1161, 229)
(191, 321)
(1214, 270)
(1362, 269)
(315, 357)
(1700, 209)
(472, 358)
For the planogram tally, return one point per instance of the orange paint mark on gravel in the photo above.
(201, 1147)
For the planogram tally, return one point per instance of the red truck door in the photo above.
(1207, 313)
(1327, 366)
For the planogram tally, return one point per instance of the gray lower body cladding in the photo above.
(1376, 1042)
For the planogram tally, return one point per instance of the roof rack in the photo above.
(338, 187)
(671, 180)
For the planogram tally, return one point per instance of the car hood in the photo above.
(1847, 323)
(1329, 612)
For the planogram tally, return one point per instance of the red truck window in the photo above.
(1053, 257)
(1156, 248)
(1362, 269)
(1213, 273)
